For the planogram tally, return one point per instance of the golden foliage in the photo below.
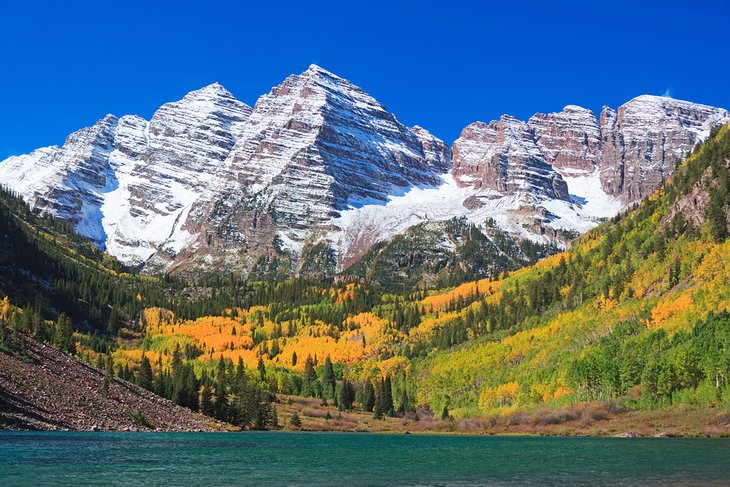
(504, 395)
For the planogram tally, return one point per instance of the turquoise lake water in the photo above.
(189, 459)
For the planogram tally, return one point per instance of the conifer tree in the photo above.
(369, 399)
(145, 373)
(262, 368)
(221, 390)
(309, 379)
(206, 401)
(387, 394)
(328, 380)
(445, 413)
(63, 337)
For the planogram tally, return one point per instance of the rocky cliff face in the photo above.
(633, 148)
(503, 156)
(210, 183)
(569, 140)
(644, 139)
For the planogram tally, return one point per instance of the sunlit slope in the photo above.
(633, 289)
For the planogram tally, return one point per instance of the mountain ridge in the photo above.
(210, 182)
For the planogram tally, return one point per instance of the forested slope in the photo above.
(636, 308)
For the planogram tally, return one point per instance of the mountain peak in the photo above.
(661, 100)
(315, 69)
(576, 108)
(320, 76)
(213, 90)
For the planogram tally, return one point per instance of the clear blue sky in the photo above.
(441, 65)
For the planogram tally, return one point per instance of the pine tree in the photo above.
(309, 379)
(206, 401)
(176, 360)
(220, 390)
(445, 413)
(369, 398)
(262, 368)
(387, 393)
(111, 326)
(328, 380)
(63, 337)
(345, 395)
(145, 373)
(674, 272)
(293, 359)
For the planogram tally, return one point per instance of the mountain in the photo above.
(128, 184)
(569, 170)
(312, 147)
(209, 184)
(635, 317)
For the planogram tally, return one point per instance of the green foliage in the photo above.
(317, 261)
(63, 336)
(662, 367)
(145, 377)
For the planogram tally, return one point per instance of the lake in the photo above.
(40, 458)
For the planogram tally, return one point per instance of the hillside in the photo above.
(436, 255)
(42, 388)
(635, 310)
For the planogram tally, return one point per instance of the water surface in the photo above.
(355, 459)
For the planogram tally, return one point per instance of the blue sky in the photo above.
(441, 65)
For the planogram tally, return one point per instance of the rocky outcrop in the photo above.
(634, 148)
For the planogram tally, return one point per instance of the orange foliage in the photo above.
(156, 317)
(5, 308)
(561, 391)
(441, 301)
(347, 294)
(665, 310)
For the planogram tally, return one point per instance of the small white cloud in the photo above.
(668, 93)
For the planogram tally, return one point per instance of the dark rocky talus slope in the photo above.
(43, 389)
